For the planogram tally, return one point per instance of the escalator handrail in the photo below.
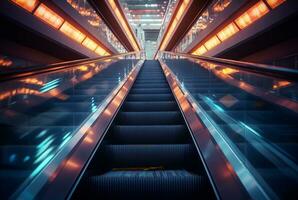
(38, 69)
(267, 70)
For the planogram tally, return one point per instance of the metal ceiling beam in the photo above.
(105, 13)
(195, 10)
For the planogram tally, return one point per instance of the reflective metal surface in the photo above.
(225, 183)
(42, 114)
(253, 118)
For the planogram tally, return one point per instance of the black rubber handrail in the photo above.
(38, 69)
(267, 70)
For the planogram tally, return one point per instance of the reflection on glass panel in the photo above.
(207, 17)
(27, 4)
(256, 115)
(7, 62)
(169, 12)
(40, 114)
(86, 10)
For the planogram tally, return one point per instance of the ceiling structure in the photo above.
(146, 18)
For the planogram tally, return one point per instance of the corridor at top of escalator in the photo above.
(148, 99)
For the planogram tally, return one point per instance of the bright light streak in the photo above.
(44, 155)
(42, 133)
(28, 5)
(50, 85)
(250, 129)
(41, 165)
(47, 15)
(124, 24)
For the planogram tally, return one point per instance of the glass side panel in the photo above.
(210, 14)
(40, 114)
(257, 115)
(86, 10)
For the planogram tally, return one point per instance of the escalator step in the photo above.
(147, 184)
(152, 85)
(149, 155)
(151, 91)
(150, 106)
(149, 81)
(150, 118)
(157, 134)
(150, 97)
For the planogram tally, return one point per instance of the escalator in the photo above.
(147, 152)
(264, 133)
(146, 146)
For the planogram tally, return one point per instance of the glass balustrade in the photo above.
(86, 10)
(42, 113)
(255, 115)
(210, 14)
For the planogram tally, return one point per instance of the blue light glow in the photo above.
(250, 129)
(214, 105)
(41, 166)
(66, 138)
(93, 105)
(50, 85)
(66, 135)
(26, 158)
(44, 141)
(43, 155)
(42, 133)
(12, 158)
(44, 145)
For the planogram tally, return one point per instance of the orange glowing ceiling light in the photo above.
(281, 84)
(252, 14)
(212, 42)
(200, 51)
(228, 71)
(174, 23)
(33, 81)
(100, 51)
(48, 16)
(4, 62)
(90, 44)
(28, 5)
(124, 24)
(275, 3)
(83, 68)
(72, 32)
(227, 31)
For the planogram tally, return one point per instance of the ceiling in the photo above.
(146, 18)
(147, 14)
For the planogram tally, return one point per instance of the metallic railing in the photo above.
(270, 70)
(37, 69)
